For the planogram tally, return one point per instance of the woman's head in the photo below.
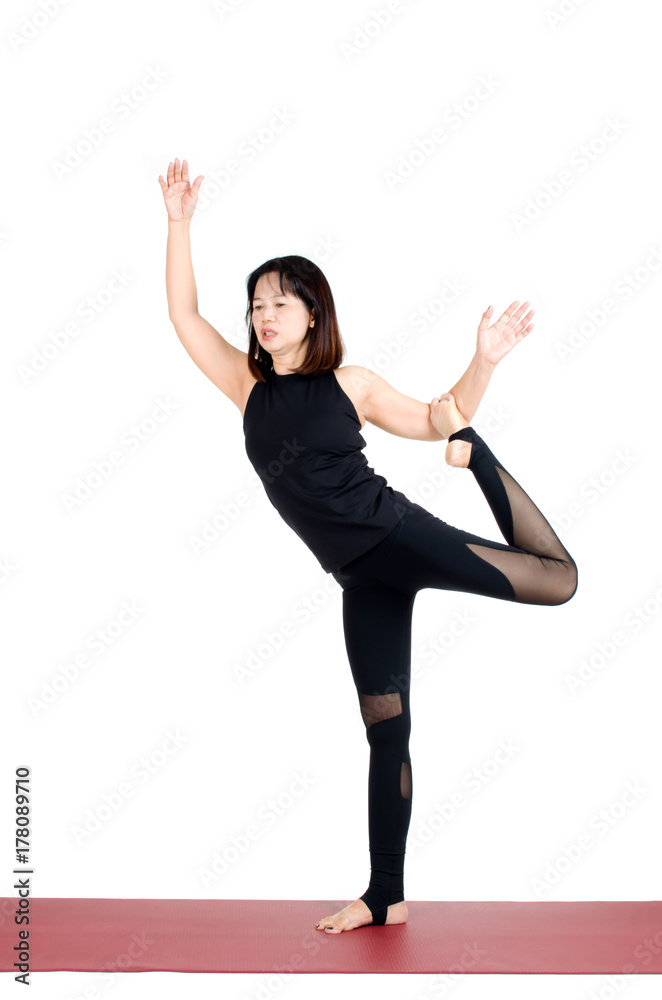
(291, 296)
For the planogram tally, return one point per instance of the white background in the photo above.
(361, 97)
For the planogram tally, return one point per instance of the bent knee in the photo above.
(568, 588)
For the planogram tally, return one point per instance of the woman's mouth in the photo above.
(268, 334)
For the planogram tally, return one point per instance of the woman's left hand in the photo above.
(495, 341)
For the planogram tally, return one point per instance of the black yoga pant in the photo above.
(379, 589)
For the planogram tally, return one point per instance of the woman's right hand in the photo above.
(180, 197)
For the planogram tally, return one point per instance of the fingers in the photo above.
(512, 313)
(177, 172)
(509, 313)
(520, 327)
(513, 317)
(485, 319)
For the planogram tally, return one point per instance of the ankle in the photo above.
(460, 449)
(463, 433)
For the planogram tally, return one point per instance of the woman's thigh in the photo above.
(379, 589)
(377, 622)
(429, 553)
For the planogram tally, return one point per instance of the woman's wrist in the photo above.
(482, 363)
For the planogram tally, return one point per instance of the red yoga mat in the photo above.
(258, 935)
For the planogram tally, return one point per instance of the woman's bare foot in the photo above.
(358, 913)
(447, 419)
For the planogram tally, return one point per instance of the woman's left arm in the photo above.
(492, 344)
(405, 416)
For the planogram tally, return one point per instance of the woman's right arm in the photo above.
(221, 362)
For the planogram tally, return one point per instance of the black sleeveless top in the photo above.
(303, 438)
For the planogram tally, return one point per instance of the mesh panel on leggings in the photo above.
(377, 708)
(543, 572)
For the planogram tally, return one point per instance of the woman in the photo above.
(302, 418)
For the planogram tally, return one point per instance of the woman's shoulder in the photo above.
(355, 381)
(356, 377)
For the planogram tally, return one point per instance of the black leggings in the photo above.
(379, 589)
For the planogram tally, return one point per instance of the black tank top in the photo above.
(303, 438)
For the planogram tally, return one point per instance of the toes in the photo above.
(328, 928)
(321, 926)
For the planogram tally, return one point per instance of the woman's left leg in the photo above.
(377, 620)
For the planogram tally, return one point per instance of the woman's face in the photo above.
(284, 314)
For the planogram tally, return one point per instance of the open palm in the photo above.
(495, 341)
(179, 195)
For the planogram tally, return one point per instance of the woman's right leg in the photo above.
(542, 571)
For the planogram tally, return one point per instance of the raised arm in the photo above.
(225, 365)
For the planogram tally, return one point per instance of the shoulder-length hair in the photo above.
(304, 279)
